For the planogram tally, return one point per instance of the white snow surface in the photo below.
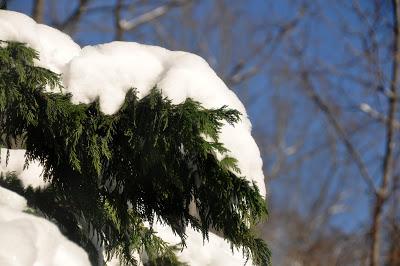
(27, 240)
(108, 70)
(215, 251)
(30, 175)
(55, 48)
(212, 252)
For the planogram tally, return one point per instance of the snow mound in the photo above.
(211, 252)
(55, 48)
(12, 200)
(29, 240)
(109, 70)
(215, 251)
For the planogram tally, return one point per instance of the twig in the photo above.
(367, 109)
(151, 15)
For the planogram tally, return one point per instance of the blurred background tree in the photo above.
(319, 79)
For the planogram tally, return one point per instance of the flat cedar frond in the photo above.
(111, 173)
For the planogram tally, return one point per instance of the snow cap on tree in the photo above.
(138, 135)
(108, 71)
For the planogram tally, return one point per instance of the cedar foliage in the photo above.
(111, 173)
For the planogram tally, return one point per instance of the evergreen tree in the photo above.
(3, 4)
(109, 174)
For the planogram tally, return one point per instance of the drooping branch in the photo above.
(152, 151)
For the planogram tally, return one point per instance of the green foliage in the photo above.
(111, 173)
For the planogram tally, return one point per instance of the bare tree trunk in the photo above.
(70, 24)
(375, 230)
(393, 257)
(38, 11)
(382, 194)
(119, 31)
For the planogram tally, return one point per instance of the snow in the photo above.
(30, 240)
(215, 251)
(31, 175)
(12, 200)
(106, 72)
(55, 48)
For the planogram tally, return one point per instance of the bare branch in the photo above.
(240, 73)
(339, 130)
